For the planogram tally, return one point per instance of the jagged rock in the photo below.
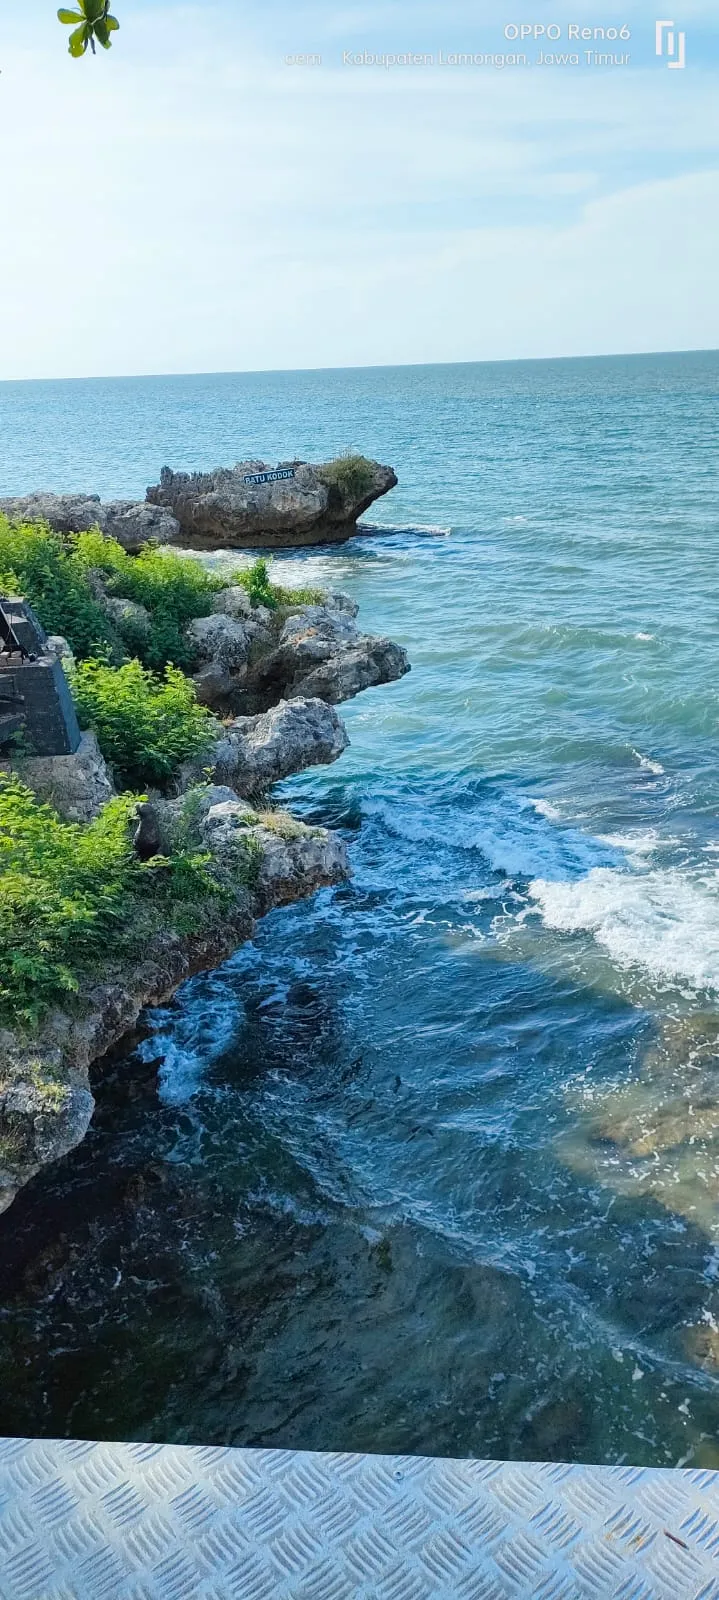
(135, 524)
(58, 647)
(322, 654)
(233, 601)
(66, 513)
(128, 615)
(248, 663)
(131, 522)
(78, 786)
(41, 1120)
(220, 509)
(257, 752)
(339, 601)
(224, 640)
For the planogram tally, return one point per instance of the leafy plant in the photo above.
(173, 588)
(91, 21)
(146, 725)
(256, 580)
(73, 896)
(36, 563)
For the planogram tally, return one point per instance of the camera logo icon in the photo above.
(671, 44)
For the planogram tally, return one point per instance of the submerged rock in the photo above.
(254, 505)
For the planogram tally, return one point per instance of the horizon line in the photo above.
(391, 366)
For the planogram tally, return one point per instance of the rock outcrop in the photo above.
(247, 661)
(132, 523)
(45, 1099)
(249, 506)
(257, 752)
(254, 506)
(77, 786)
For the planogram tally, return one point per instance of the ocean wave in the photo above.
(192, 1035)
(663, 922)
(514, 836)
(646, 763)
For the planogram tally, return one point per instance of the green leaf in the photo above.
(79, 40)
(102, 34)
(94, 9)
(70, 16)
(112, 23)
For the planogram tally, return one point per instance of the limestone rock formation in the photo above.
(257, 752)
(252, 505)
(77, 786)
(131, 523)
(247, 663)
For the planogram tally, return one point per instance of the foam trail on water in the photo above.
(664, 922)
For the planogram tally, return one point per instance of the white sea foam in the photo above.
(544, 808)
(508, 833)
(646, 763)
(645, 637)
(663, 922)
(192, 1036)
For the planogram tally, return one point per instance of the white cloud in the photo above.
(196, 205)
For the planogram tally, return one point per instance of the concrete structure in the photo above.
(35, 699)
(161, 1522)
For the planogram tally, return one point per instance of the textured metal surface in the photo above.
(149, 1522)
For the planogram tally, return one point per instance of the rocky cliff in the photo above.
(274, 677)
(45, 1099)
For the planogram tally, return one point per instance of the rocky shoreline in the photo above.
(271, 679)
(249, 506)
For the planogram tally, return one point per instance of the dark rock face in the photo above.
(220, 509)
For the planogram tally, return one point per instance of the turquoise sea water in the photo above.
(434, 1163)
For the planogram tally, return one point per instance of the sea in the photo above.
(431, 1165)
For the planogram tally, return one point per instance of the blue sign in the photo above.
(270, 477)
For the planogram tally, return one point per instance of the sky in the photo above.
(192, 202)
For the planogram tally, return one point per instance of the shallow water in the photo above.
(434, 1163)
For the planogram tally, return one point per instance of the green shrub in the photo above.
(36, 563)
(74, 896)
(62, 891)
(173, 588)
(146, 726)
(350, 475)
(256, 580)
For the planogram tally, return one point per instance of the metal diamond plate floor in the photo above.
(161, 1522)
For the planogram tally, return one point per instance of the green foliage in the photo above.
(173, 588)
(36, 563)
(62, 894)
(91, 21)
(146, 725)
(350, 475)
(74, 896)
(256, 580)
